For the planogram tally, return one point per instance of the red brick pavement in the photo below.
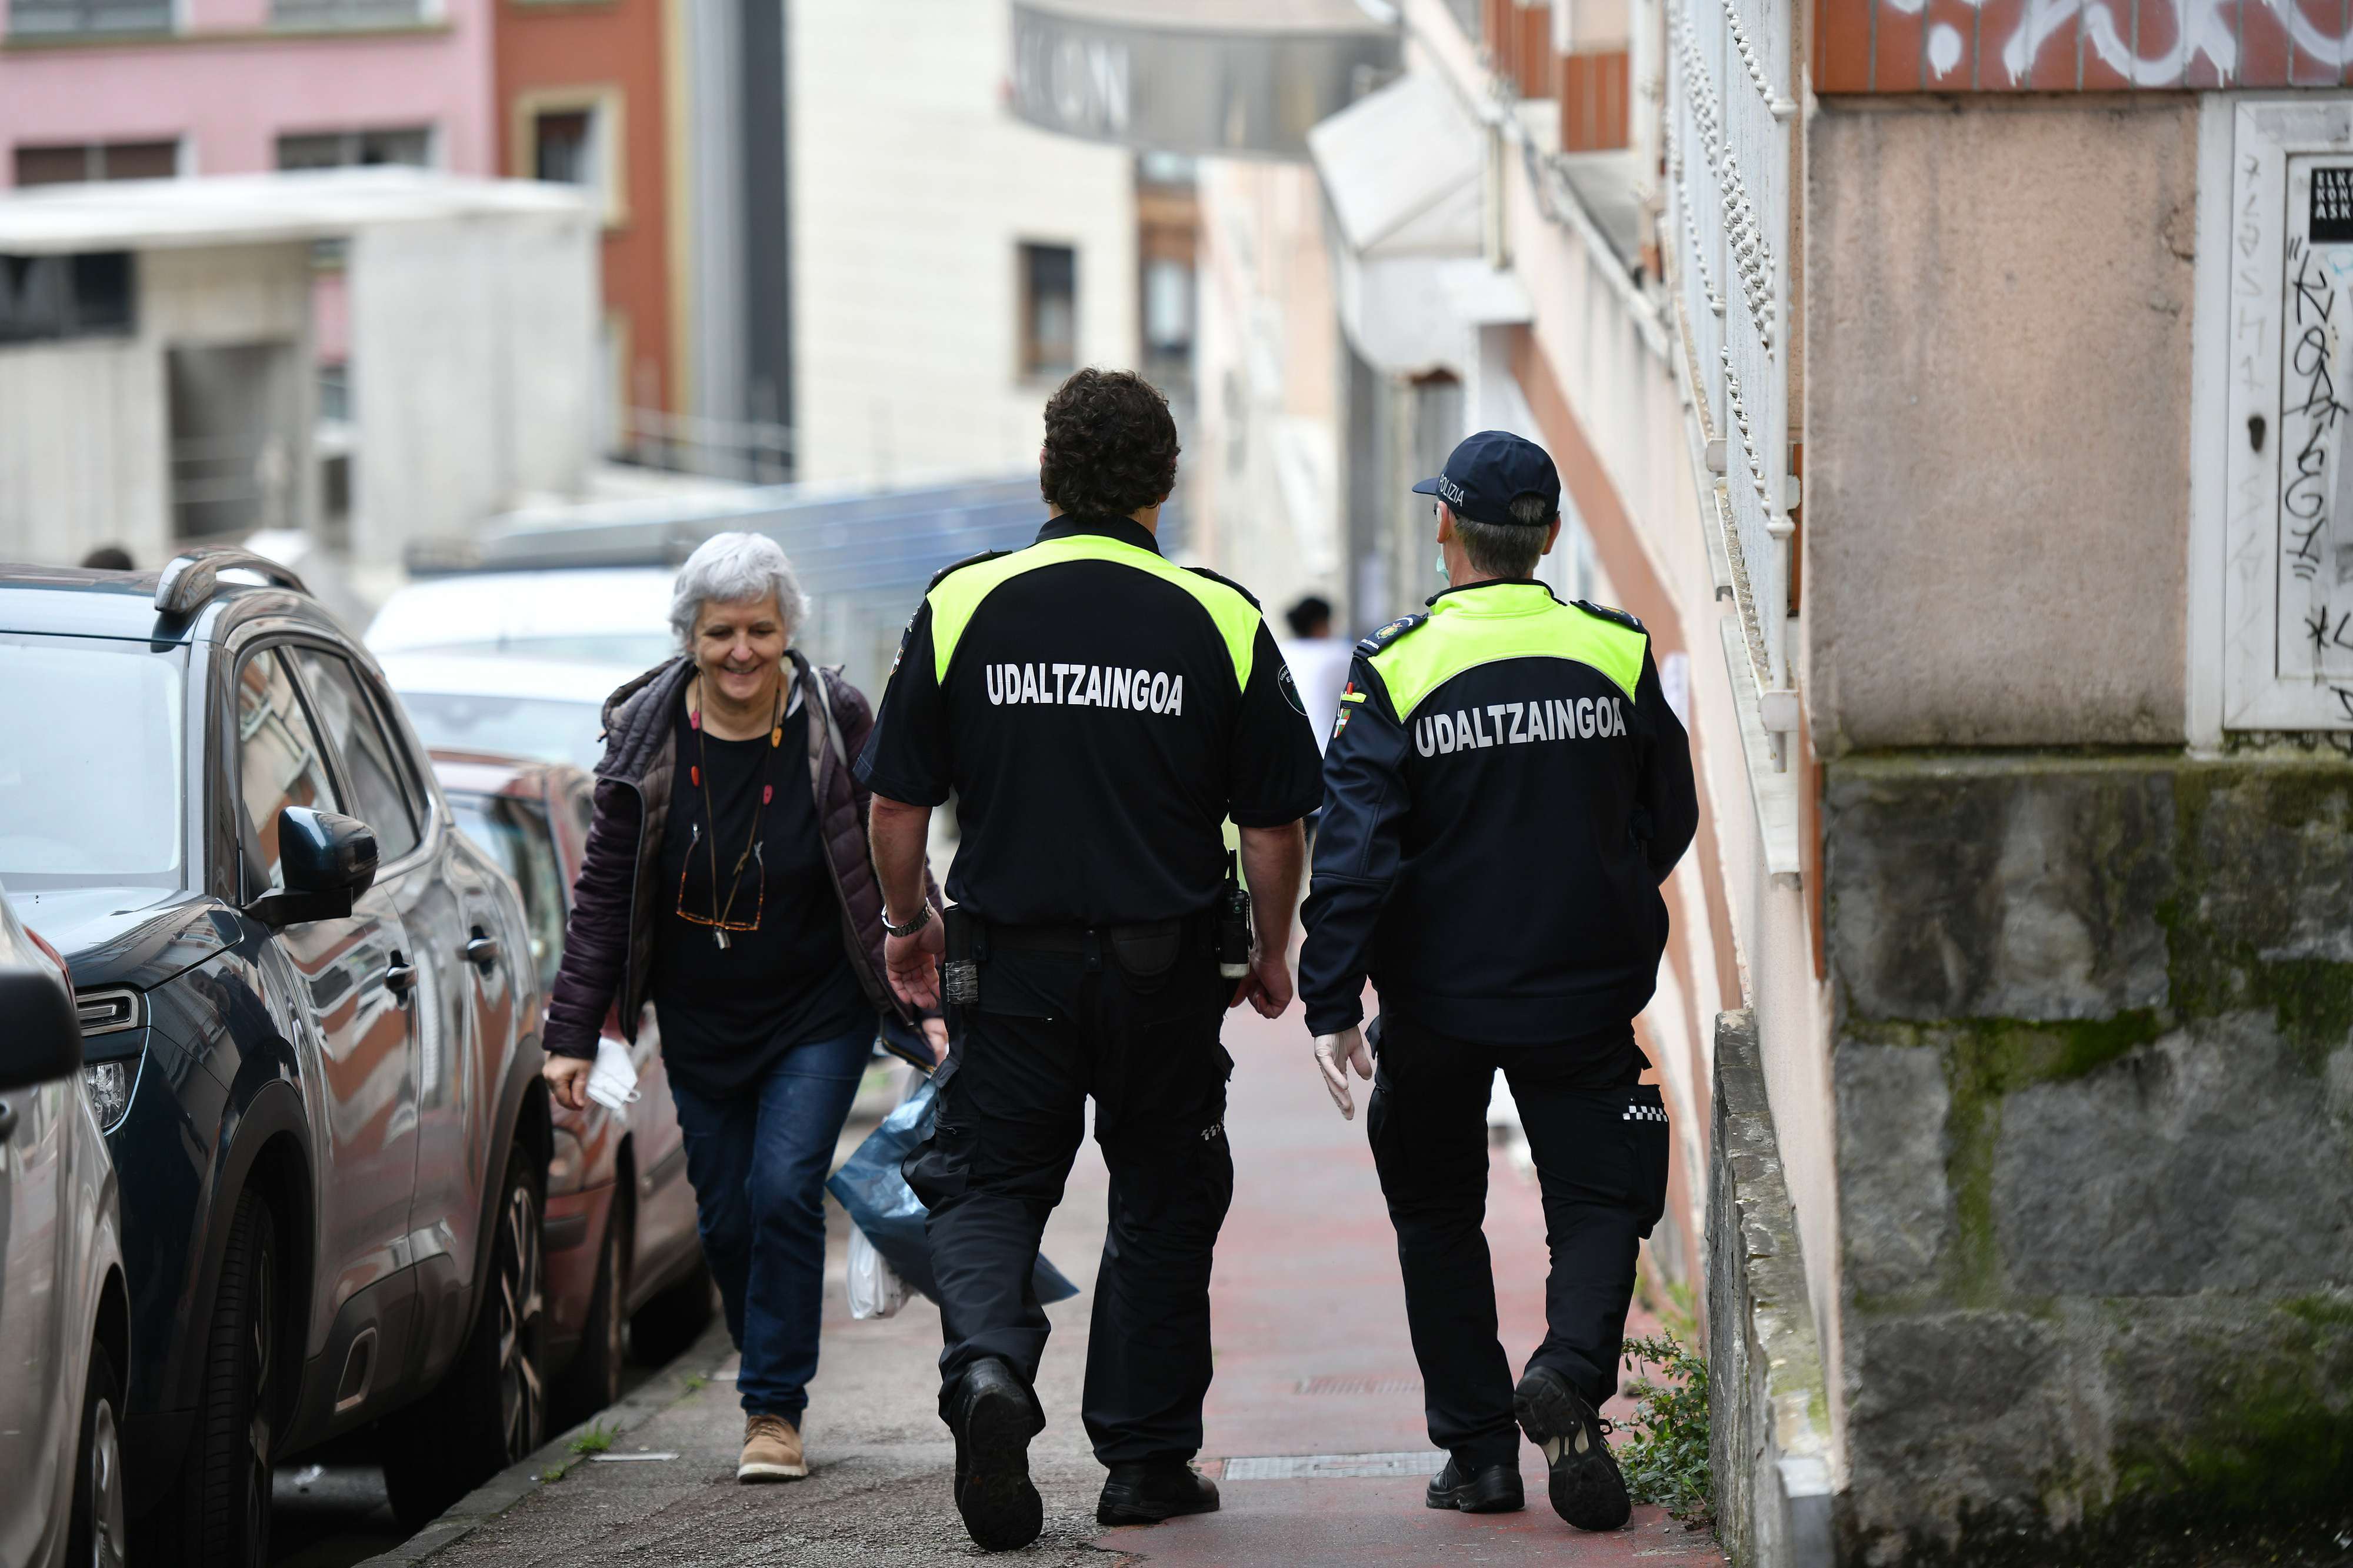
(1306, 1289)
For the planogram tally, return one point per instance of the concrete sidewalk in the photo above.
(1314, 1376)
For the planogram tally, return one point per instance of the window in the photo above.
(76, 162)
(1050, 309)
(50, 18)
(280, 763)
(345, 13)
(574, 136)
(1173, 170)
(411, 147)
(564, 147)
(46, 297)
(515, 833)
(379, 795)
(1167, 308)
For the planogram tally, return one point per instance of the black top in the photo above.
(727, 1013)
(1505, 791)
(1100, 713)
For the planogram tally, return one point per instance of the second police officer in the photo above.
(1098, 712)
(1505, 791)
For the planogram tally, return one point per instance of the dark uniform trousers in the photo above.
(1601, 1163)
(1133, 1020)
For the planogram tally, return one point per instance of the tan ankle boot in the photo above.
(772, 1451)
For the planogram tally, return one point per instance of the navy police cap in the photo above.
(1488, 471)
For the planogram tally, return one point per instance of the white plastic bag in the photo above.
(875, 1288)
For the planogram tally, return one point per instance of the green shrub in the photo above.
(1663, 1450)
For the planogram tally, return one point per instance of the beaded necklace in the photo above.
(701, 778)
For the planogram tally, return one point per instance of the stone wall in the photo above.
(2093, 1067)
(1768, 1411)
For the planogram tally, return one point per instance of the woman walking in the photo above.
(727, 880)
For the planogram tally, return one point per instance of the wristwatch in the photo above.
(922, 918)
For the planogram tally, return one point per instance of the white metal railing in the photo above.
(757, 451)
(1731, 128)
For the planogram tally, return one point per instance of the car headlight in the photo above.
(110, 1085)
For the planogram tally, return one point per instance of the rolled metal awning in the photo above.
(1209, 77)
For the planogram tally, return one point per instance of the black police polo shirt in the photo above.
(1099, 712)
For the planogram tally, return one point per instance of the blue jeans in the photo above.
(757, 1162)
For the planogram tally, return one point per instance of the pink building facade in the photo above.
(106, 88)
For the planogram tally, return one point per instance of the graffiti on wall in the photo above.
(1992, 45)
(2197, 28)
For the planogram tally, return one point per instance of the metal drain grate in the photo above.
(1359, 1386)
(1332, 1467)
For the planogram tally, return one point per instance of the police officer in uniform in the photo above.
(1505, 791)
(1098, 712)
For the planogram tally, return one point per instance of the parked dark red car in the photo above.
(625, 1265)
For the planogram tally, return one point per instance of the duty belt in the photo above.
(1074, 940)
(1141, 948)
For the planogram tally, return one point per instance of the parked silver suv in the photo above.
(64, 1316)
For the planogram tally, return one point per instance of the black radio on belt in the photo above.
(1233, 937)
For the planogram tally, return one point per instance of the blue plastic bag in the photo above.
(885, 1207)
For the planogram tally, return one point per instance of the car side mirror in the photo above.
(41, 1039)
(328, 860)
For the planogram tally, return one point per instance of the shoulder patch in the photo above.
(1228, 581)
(1390, 634)
(956, 566)
(1622, 618)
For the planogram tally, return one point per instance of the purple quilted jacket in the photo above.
(608, 942)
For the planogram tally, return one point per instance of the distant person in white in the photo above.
(1319, 663)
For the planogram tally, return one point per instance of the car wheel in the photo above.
(675, 1317)
(96, 1537)
(593, 1381)
(224, 1487)
(520, 1303)
(491, 1409)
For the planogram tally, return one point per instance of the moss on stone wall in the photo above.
(2240, 876)
(2274, 1427)
(2255, 898)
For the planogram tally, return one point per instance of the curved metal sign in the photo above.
(1112, 72)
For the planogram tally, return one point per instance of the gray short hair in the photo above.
(735, 569)
(1508, 549)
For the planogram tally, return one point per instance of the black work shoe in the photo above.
(1150, 1492)
(1490, 1488)
(1586, 1488)
(994, 1420)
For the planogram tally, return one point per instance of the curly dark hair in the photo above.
(1111, 447)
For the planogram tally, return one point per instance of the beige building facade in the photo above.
(950, 264)
(1954, 393)
(1960, 404)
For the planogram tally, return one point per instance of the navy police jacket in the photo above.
(1505, 791)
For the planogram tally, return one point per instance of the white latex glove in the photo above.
(1334, 1054)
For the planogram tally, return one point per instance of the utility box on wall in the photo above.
(2287, 497)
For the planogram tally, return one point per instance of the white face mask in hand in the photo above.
(613, 1082)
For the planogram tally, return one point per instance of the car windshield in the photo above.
(91, 774)
(639, 650)
(544, 729)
